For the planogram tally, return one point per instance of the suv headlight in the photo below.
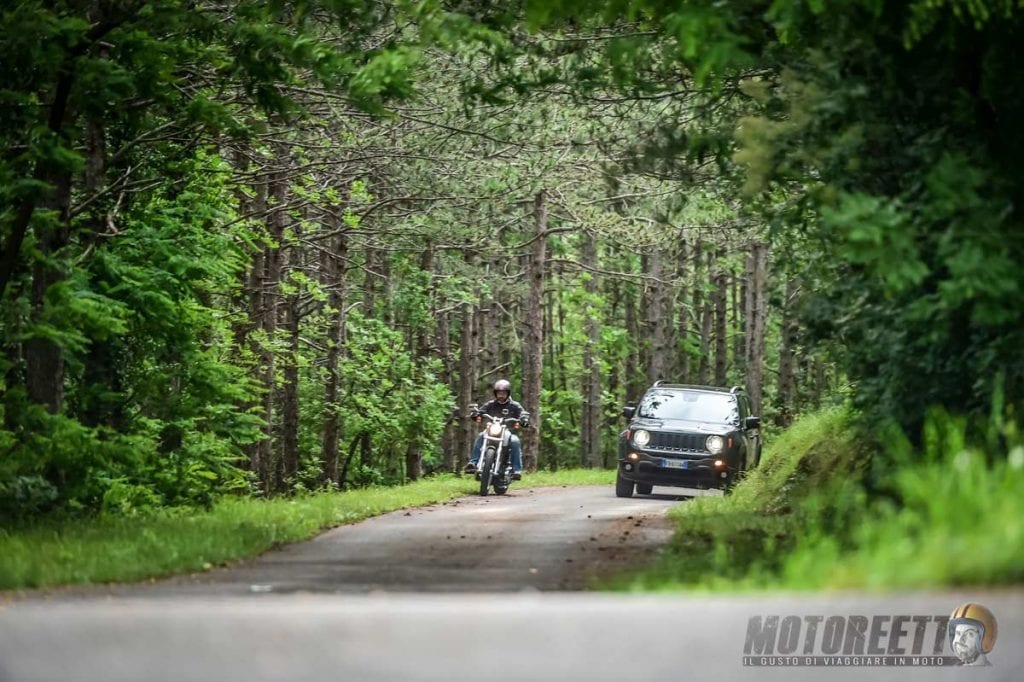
(642, 437)
(714, 444)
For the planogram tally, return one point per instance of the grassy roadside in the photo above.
(949, 515)
(121, 549)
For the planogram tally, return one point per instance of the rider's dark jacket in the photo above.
(496, 409)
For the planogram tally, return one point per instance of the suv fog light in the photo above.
(628, 467)
(723, 474)
(633, 457)
(719, 463)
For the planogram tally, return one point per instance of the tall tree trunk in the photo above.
(705, 326)
(468, 368)
(414, 452)
(443, 343)
(737, 325)
(747, 291)
(534, 346)
(256, 288)
(721, 340)
(657, 325)
(268, 324)
(756, 324)
(634, 377)
(696, 308)
(370, 283)
(590, 435)
(413, 462)
(784, 413)
(290, 395)
(449, 438)
(243, 325)
(614, 297)
(47, 172)
(681, 361)
(44, 359)
(562, 375)
(332, 263)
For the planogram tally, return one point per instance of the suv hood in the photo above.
(686, 425)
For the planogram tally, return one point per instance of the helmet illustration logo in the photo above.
(972, 633)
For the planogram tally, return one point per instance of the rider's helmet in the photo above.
(503, 385)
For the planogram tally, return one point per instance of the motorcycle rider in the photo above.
(497, 408)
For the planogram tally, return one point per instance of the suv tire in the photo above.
(623, 487)
(735, 477)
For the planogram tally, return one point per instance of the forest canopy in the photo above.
(266, 247)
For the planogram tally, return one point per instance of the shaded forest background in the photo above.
(267, 247)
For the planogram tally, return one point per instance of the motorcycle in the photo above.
(495, 467)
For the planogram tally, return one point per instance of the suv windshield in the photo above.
(692, 405)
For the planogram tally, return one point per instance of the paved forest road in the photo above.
(542, 538)
(365, 602)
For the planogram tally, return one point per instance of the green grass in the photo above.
(804, 520)
(953, 517)
(120, 549)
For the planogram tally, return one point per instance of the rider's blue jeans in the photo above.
(517, 452)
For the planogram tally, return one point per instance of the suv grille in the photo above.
(677, 442)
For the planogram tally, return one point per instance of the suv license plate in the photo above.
(675, 463)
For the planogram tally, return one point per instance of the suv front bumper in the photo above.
(697, 470)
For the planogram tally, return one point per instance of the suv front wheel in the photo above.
(623, 487)
(734, 477)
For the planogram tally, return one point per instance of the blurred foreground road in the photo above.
(478, 589)
(388, 637)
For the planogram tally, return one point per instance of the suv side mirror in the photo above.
(752, 423)
(628, 411)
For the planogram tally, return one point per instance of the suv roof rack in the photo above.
(662, 384)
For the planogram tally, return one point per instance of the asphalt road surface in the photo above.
(471, 590)
(542, 538)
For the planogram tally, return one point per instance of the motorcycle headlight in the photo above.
(714, 444)
(642, 437)
(494, 430)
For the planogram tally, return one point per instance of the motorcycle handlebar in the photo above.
(524, 419)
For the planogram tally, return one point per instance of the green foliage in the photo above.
(390, 395)
(152, 411)
(912, 194)
(951, 515)
(879, 137)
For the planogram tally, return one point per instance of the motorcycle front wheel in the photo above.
(486, 469)
(501, 481)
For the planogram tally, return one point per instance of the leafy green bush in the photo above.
(154, 408)
(952, 515)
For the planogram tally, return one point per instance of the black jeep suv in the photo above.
(689, 436)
